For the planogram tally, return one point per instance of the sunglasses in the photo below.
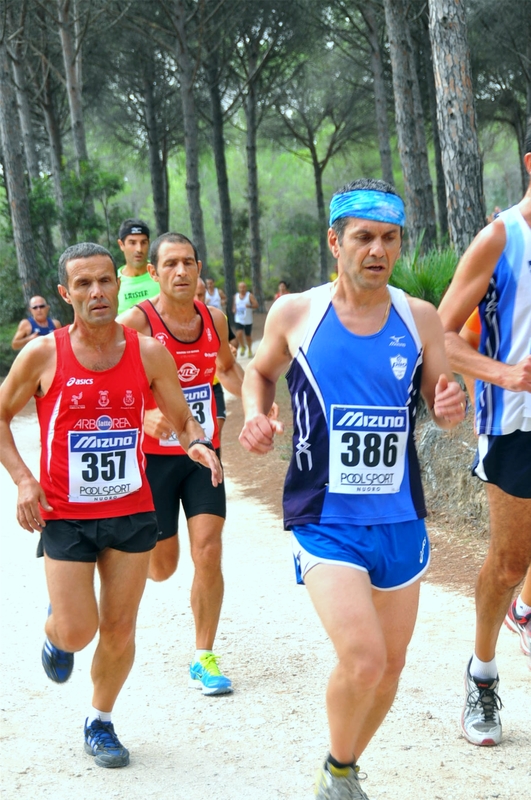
(42, 305)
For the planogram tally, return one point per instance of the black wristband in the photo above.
(205, 442)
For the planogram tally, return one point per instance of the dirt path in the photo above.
(265, 741)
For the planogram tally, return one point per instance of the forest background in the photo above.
(233, 121)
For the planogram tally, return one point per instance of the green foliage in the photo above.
(7, 355)
(79, 218)
(426, 276)
(12, 305)
(297, 241)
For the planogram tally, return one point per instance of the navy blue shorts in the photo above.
(84, 539)
(178, 479)
(247, 329)
(505, 461)
(394, 555)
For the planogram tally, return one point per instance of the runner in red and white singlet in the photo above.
(197, 339)
(93, 504)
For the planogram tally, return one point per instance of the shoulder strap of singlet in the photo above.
(152, 315)
(401, 306)
(206, 316)
(320, 299)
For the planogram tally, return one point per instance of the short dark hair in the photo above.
(371, 184)
(176, 238)
(129, 226)
(527, 140)
(81, 250)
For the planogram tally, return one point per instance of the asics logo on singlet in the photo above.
(187, 372)
(358, 419)
(80, 382)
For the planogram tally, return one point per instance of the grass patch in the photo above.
(425, 276)
(7, 355)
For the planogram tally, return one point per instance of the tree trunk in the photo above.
(322, 216)
(456, 122)
(72, 74)
(380, 95)
(11, 137)
(218, 146)
(442, 214)
(157, 166)
(252, 192)
(411, 137)
(55, 149)
(191, 132)
(26, 124)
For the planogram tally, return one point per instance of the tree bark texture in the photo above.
(380, 95)
(456, 121)
(252, 193)
(442, 213)
(157, 161)
(72, 74)
(26, 124)
(13, 158)
(410, 127)
(218, 146)
(191, 132)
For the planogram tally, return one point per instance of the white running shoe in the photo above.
(480, 720)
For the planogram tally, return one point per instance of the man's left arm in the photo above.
(228, 370)
(443, 395)
(164, 381)
(253, 301)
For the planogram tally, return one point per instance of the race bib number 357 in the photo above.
(102, 465)
(367, 449)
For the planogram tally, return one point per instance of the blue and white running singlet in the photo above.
(505, 313)
(354, 401)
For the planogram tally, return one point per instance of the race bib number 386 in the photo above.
(367, 449)
(102, 465)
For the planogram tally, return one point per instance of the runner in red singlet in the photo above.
(197, 338)
(93, 504)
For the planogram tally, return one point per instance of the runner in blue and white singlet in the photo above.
(357, 353)
(354, 420)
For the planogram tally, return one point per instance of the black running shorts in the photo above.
(84, 539)
(178, 479)
(505, 462)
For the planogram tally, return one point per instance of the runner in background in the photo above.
(136, 283)
(197, 339)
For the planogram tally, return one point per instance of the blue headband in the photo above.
(368, 204)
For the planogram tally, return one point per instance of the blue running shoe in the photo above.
(58, 664)
(102, 743)
(205, 674)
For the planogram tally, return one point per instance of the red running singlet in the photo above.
(196, 365)
(92, 464)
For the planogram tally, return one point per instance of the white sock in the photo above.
(485, 670)
(521, 608)
(104, 716)
(199, 653)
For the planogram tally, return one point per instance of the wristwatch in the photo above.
(206, 442)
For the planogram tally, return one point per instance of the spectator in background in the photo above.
(39, 323)
(243, 305)
(283, 288)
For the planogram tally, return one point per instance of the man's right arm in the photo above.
(272, 358)
(23, 335)
(22, 382)
(468, 287)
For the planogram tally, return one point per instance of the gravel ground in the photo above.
(267, 739)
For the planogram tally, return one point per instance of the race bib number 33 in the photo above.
(102, 465)
(367, 449)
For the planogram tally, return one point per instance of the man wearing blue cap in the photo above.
(353, 497)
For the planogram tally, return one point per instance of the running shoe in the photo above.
(102, 743)
(242, 351)
(480, 720)
(338, 784)
(205, 674)
(249, 353)
(521, 626)
(58, 664)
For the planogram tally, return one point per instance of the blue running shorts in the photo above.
(394, 555)
(505, 461)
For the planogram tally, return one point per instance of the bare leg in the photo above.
(207, 587)
(249, 341)
(74, 619)
(240, 339)
(507, 561)
(164, 559)
(397, 612)
(342, 597)
(123, 577)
